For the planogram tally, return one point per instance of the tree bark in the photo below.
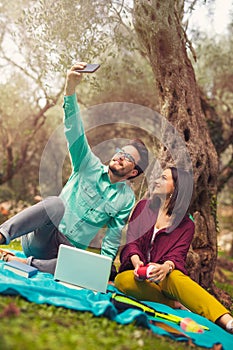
(160, 31)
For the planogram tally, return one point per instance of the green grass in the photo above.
(44, 327)
(26, 326)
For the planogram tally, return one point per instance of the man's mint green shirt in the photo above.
(91, 200)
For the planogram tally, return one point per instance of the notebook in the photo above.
(81, 269)
(20, 268)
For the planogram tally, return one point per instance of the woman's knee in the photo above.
(176, 274)
(124, 281)
(175, 283)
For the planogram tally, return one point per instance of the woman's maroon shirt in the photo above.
(170, 243)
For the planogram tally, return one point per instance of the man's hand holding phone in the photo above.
(74, 75)
(89, 68)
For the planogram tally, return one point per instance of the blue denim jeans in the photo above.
(38, 228)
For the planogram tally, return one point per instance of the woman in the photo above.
(159, 234)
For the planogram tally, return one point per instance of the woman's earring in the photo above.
(170, 195)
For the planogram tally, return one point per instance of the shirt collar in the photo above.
(105, 169)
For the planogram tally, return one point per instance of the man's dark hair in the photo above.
(144, 156)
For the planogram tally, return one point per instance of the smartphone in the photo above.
(90, 68)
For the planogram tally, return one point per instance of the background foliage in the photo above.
(39, 40)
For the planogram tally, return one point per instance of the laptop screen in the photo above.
(82, 268)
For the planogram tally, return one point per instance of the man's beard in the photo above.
(117, 173)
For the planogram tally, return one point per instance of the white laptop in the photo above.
(81, 269)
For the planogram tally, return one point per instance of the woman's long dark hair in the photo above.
(183, 189)
(179, 202)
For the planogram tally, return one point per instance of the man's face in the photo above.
(123, 162)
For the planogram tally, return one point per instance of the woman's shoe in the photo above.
(229, 326)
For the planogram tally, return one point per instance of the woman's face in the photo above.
(164, 185)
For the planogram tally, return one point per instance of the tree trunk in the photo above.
(160, 32)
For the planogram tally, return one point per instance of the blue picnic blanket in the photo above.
(41, 288)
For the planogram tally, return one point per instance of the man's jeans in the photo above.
(40, 236)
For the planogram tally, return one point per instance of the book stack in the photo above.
(20, 268)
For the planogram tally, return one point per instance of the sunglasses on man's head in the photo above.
(125, 155)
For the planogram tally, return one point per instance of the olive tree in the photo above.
(159, 28)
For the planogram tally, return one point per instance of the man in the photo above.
(94, 196)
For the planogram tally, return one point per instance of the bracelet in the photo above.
(170, 267)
